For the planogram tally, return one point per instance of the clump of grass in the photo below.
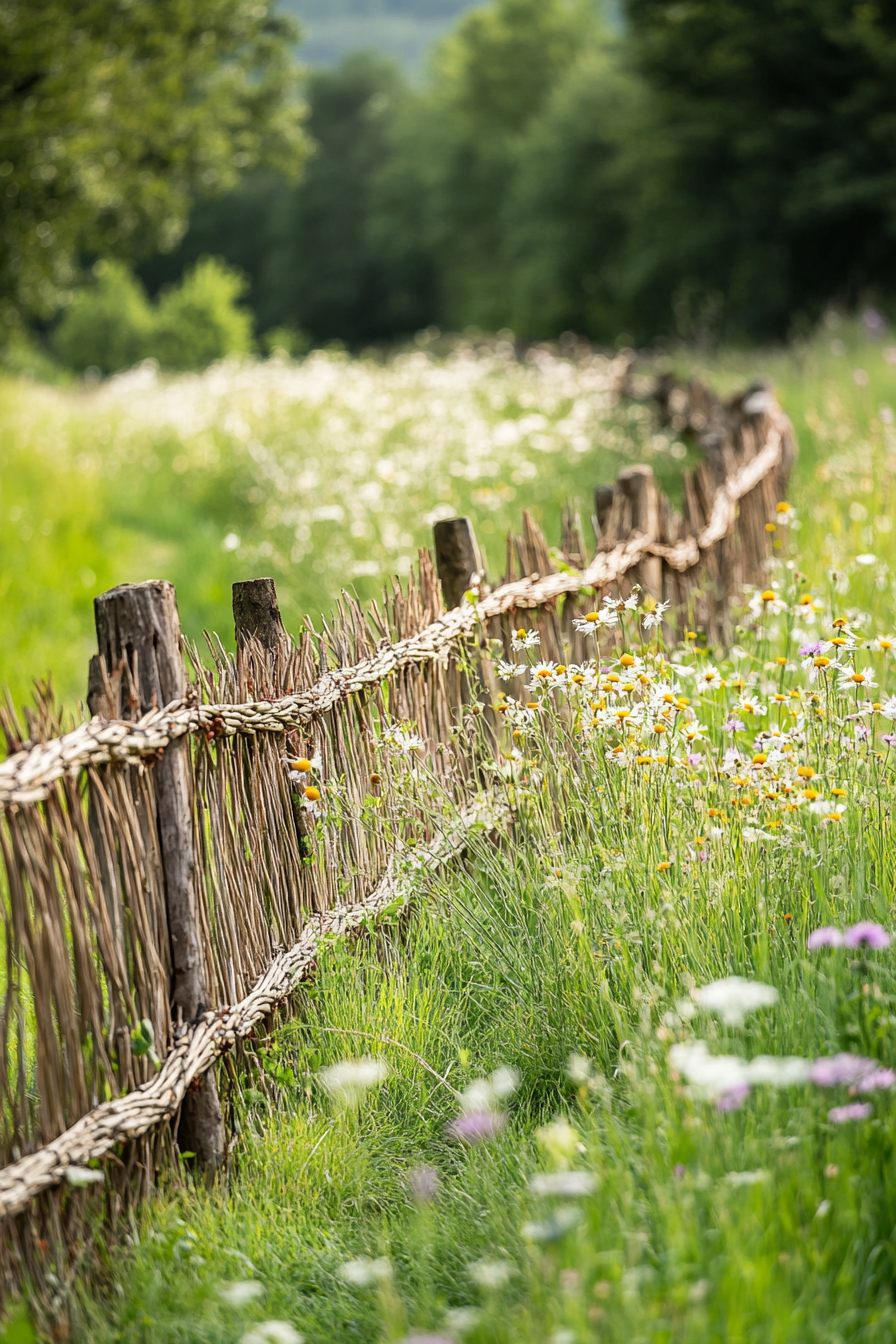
(578, 1095)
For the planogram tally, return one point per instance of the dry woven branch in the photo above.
(27, 776)
(202, 1042)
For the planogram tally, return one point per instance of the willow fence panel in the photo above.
(91, 933)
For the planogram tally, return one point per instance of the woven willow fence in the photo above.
(167, 880)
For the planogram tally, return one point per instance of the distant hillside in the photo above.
(405, 29)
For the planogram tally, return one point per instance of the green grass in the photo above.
(573, 940)
(623, 889)
(329, 473)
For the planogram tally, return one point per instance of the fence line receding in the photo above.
(159, 859)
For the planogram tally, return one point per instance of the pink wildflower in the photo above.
(856, 1110)
(841, 1070)
(824, 937)
(866, 934)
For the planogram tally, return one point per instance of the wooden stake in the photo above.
(138, 631)
(458, 558)
(256, 612)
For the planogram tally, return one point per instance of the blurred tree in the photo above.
(110, 324)
(776, 127)
(578, 183)
(446, 190)
(113, 113)
(308, 251)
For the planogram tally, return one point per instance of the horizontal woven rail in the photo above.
(27, 776)
(204, 1041)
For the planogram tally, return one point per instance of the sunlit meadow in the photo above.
(628, 1075)
(329, 473)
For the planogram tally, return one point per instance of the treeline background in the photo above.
(697, 169)
(710, 168)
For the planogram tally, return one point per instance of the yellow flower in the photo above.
(662, 867)
(312, 794)
(806, 772)
(302, 764)
(771, 527)
(782, 507)
(769, 595)
(626, 660)
(760, 758)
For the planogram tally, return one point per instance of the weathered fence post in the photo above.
(137, 624)
(256, 613)
(458, 558)
(603, 503)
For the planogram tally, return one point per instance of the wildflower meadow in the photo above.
(628, 1073)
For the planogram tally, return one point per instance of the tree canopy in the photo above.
(116, 114)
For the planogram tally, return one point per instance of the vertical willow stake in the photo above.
(458, 558)
(138, 630)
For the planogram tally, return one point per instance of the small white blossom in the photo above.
(364, 1273)
(490, 1273)
(348, 1081)
(733, 997)
(239, 1293)
(272, 1332)
(654, 618)
(565, 1184)
(524, 639)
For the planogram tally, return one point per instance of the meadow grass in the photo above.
(642, 866)
(547, 1152)
(329, 473)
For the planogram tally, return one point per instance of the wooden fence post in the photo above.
(137, 624)
(603, 503)
(256, 612)
(458, 558)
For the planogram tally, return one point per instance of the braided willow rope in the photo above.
(27, 776)
(206, 1039)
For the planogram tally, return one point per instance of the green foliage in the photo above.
(112, 325)
(113, 115)
(308, 252)
(198, 320)
(457, 153)
(777, 123)
(108, 325)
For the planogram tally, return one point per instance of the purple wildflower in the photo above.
(841, 1070)
(866, 934)
(856, 1110)
(695, 758)
(824, 937)
(811, 650)
(889, 738)
(862, 732)
(733, 725)
(424, 1183)
(680, 1171)
(703, 855)
(477, 1127)
(880, 1078)
(734, 1098)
